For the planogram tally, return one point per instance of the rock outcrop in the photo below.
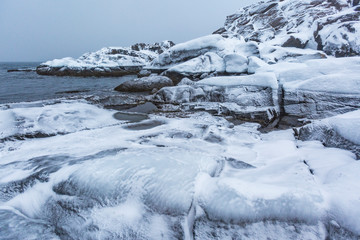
(252, 98)
(338, 131)
(332, 26)
(111, 61)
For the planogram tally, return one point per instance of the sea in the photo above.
(25, 86)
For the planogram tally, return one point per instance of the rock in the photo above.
(331, 26)
(236, 63)
(215, 44)
(339, 131)
(144, 73)
(273, 54)
(207, 63)
(294, 42)
(144, 84)
(255, 63)
(186, 81)
(107, 62)
(252, 98)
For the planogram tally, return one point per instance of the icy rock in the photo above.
(110, 61)
(273, 54)
(144, 73)
(194, 48)
(253, 97)
(255, 63)
(236, 63)
(331, 26)
(207, 63)
(318, 88)
(203, 55)
(340, 131)
(145, 84)
(186, 81)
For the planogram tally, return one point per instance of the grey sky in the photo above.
(37, 30)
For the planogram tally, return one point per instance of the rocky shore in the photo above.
(280, 63)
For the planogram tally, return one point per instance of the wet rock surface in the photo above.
(145, 84)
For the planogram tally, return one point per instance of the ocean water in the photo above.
(29, 86)
(71, 169)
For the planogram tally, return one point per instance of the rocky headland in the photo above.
(280, 63)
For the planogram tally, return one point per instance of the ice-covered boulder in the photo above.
(341, 131)
(274, 54)
(145, 84)
(236, 63)
(110, 61)
(331, 26)
(318, 88)
(212, 43)
(208, 63)
(252, 97)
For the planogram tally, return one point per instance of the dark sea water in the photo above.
(29, 86)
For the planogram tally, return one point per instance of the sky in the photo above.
(39, 30)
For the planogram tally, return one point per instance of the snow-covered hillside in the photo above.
(332, 26)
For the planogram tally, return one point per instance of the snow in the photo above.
(333, 75)
(149, 179)
(261, 79)
(29, 119)
(209, 62)
(194, 48)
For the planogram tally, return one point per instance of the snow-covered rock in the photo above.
(208, 63)
(110, 61)
(318, 88)
(274, 54)
(341, 131)
(255, 63)
(236, 63)
(253, 97)
(197, 47)
(145, 84)
(331, 26)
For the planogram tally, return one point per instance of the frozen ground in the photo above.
(168, 178)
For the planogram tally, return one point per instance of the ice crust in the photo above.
(115, 182)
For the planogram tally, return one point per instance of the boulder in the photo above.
(236, 63)
(207, 63)
(144, 84)
(340, 131)
(255, 63)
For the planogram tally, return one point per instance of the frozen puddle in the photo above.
(185, 178)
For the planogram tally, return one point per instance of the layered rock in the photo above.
(340, 131)
(110, 61)
(252, 98)
(319, 88)
(331, 26)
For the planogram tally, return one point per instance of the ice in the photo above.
(209, 62)
(167, 181)
(346, 125)
(263, 80)
(200, 46)
(64, 117)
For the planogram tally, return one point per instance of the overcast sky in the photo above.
(38, 30)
